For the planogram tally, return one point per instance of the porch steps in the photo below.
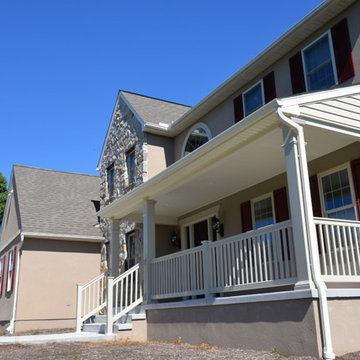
(97, 324)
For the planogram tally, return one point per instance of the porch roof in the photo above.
(245, 154)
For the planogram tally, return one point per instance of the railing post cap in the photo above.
(205, 242)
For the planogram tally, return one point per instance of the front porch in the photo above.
(293, 250)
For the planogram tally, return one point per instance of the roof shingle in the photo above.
(57, 202)
(154, 110)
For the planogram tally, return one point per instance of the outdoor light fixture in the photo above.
(215, 224)
(175, 240)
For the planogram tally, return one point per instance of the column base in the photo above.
(304, 285)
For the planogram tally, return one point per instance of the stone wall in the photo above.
(124, 134)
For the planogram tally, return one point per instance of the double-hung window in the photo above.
(110, 180)
(319, 64)
(130, 165)
(2, 263)
(253, 98)
(10, 270)
(337, 194)
(263, 211)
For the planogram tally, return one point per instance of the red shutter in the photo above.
(246, 220)
(269, 87)
(14, 269)
(4, 273)
(297, 73)
(315, 196)
(342, 51)
(281, 205)
(355, 168)
(238, 108)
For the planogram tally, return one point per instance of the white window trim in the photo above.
(332, 54)
(351, 183)
(259, 198)
(194, 219)
(249, 89)
(196, 126)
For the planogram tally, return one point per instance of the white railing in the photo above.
(91, 299)
(124, 294)
(255, 259)
(339, 249)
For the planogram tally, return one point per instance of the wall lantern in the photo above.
(175, 240)
(215, 224)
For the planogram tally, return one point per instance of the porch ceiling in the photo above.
(243, 158)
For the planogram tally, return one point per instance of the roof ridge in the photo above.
(154, 98)
(51, 170)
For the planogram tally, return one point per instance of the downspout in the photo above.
(328, 353)
(11, 326)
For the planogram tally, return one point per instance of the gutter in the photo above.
(11, 326)
(328, 353)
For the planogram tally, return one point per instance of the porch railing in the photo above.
(255, 259)
(91, 299)
(339, 249)
(124, 294)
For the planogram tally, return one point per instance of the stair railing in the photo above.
(91, 299)
(124, 293)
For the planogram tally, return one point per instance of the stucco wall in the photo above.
(290, 327)
(222, 116)
(49, 272)
(160, 153)
(345, 325)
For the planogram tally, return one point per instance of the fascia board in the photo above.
(108, 130)
(51, 236)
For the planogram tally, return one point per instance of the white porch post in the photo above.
(294, 168)
(114, 257)
(148, 245)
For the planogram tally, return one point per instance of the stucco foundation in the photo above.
(345, 324)
(290, 327)
(44, 324)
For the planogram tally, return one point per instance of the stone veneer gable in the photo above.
(125, 132)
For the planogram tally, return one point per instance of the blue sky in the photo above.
(63, 61)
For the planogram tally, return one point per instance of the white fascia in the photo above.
(66, 237)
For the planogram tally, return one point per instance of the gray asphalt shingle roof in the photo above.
(57, 202)
(154, 110)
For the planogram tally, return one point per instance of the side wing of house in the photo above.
(9, 240)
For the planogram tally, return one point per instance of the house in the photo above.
(246, 206)
(50, 242)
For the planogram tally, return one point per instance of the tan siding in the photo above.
(160, 154)
(49, 273)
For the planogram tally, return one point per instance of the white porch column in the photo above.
(114, 247)
(148, 245)
(294, 168)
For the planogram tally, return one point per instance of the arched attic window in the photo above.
(198, 135)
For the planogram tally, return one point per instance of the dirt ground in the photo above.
(139, 351)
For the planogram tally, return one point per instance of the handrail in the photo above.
(90, 299)
(123, 295)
